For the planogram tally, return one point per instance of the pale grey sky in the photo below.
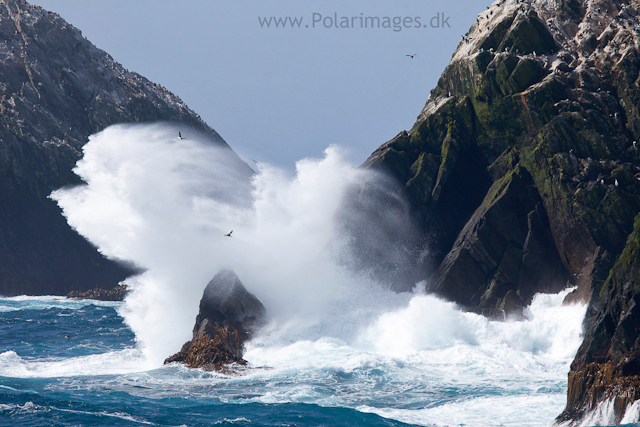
(281, 94)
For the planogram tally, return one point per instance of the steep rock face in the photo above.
(56, 89)
(504, 254)
(227, 317)
(523, 171)
(607, 366)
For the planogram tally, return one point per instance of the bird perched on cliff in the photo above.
(411, 56)
(180, 136)
(229, 234)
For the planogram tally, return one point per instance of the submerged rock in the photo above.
(117, 293)
(228, 315)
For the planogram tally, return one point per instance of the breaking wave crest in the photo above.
(166, 204)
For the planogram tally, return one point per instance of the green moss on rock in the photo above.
(528, 34)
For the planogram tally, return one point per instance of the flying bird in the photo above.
(180, 136)
(229, 234)
(412, 55)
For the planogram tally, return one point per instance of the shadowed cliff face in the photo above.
(56, 89)
(523, 172)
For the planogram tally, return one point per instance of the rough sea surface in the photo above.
(448, 368)
(339, 348)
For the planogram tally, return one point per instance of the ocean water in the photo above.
(461, 370)
(340, 347)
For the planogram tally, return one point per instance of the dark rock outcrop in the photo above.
(117, 293)
(228, 315)
(523, 173)
(607, 366)
(504, 254)
(56, 89)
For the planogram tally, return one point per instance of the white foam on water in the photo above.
(604, 414)
(111, 363)
(26, 408)
(117, 415)
(632, 413)
(525, 411)
(233, 420)
(24, 302)
(499, 373)
(549, 328)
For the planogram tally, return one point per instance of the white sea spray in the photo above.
(166, 204)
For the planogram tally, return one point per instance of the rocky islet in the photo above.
(228, 316)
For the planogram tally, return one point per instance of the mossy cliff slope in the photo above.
(523, 169)
(56, 89)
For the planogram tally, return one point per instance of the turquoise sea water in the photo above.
(495, 373)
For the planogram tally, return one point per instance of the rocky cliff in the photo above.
(523, 172)
(56, 89)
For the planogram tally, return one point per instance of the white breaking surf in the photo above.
(166, 204)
